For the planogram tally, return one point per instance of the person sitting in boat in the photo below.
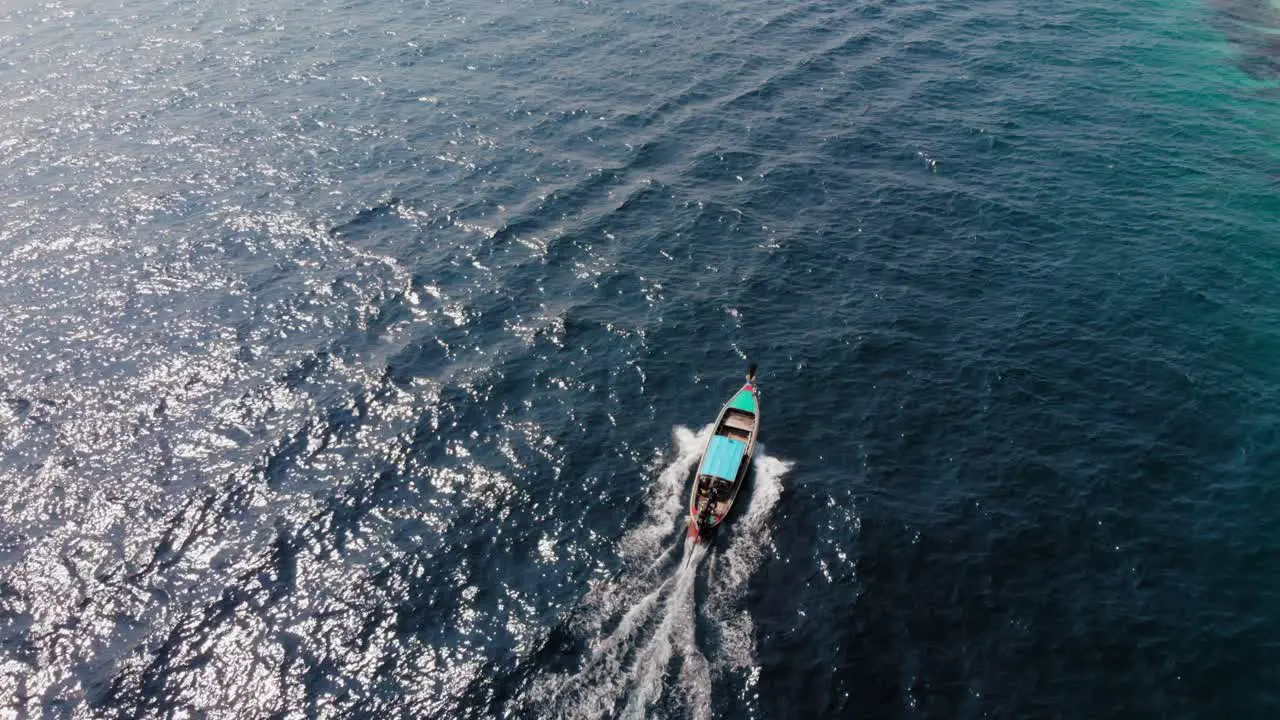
(708, 505)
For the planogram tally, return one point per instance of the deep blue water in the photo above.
(354, 356)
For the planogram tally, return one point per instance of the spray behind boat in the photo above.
(640, 636)
(725, 461)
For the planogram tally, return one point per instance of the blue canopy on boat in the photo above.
(724, 457)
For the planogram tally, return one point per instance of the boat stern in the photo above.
(701, 535)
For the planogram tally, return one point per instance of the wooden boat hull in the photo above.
(726, 460)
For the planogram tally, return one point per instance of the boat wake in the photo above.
(642, 626)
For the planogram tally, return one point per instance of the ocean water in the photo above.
(354, 356)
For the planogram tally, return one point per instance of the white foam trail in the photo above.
(666, 501)
(596, 689)
(749, 542)
(750, 537)
(648, 545)
(658, 617)
(675, 633)
(598, 686)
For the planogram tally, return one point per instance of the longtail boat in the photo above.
(726, 459)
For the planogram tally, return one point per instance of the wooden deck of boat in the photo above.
(738, 425)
